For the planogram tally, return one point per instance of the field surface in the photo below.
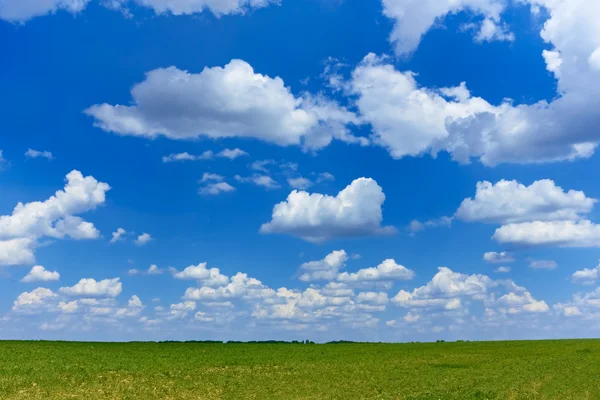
(491, 370)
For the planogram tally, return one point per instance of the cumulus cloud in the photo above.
(232, 101)
(40, 274)
(232, 154)
(502, 270)
(30, 153)
(587, 276)
(208, 277)
(510, 201)
(116, 236)
(582, 233)
(143, 239)
(54, 218)
(498, 258)
(299, 183)
(355, 211)
(36, 299)
(21, 11)
(581, 305)
(413, 19)
(411, 120)
(326, 269)
(92, 288)
(18, 251)
(388, 270)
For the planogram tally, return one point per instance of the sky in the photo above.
(327, 170)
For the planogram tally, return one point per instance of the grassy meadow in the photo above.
(568, 369)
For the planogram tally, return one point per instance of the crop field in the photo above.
(567, 369)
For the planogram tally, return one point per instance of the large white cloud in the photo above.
(406, 119)
(511, 201)
(17, 251)
(93, 288)
(54, 218)
(411, 120)
(40, 274)
(355, 211)
(232, 101)
(414, 18)
(582, 233)
(23, 10)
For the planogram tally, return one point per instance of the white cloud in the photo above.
(373, 298)
(232, 154)
(444, 287)
(54, 217)
(498, 258)
(21, 11)
(217, 7)
(509, 202)
(93, 288)
(207, 176)
(550, 233)
(175, 157)
(324, 177)
(181, 310)
(30, 153)
(35, 299)
(388, 270)
(543, 264)
(502, 270)
(326, 269)
(143, 239)
(116, 236)
(355, 211)
(587, 276)
(40, 274)
(209, 277)
(491, 30)
(68, 307)
(17, 252)
(409, 120)
(152, 270)
(299, 183)
(232, 101)
(413, 19)
(217, 188)
(264, 181)
(20, 231)
(261, 165)
(584, 305)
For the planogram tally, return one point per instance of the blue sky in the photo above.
(342, 168)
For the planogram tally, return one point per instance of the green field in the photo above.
(567, 369)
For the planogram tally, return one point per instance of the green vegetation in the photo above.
(562, 370)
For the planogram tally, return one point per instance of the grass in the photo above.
(562, 370)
